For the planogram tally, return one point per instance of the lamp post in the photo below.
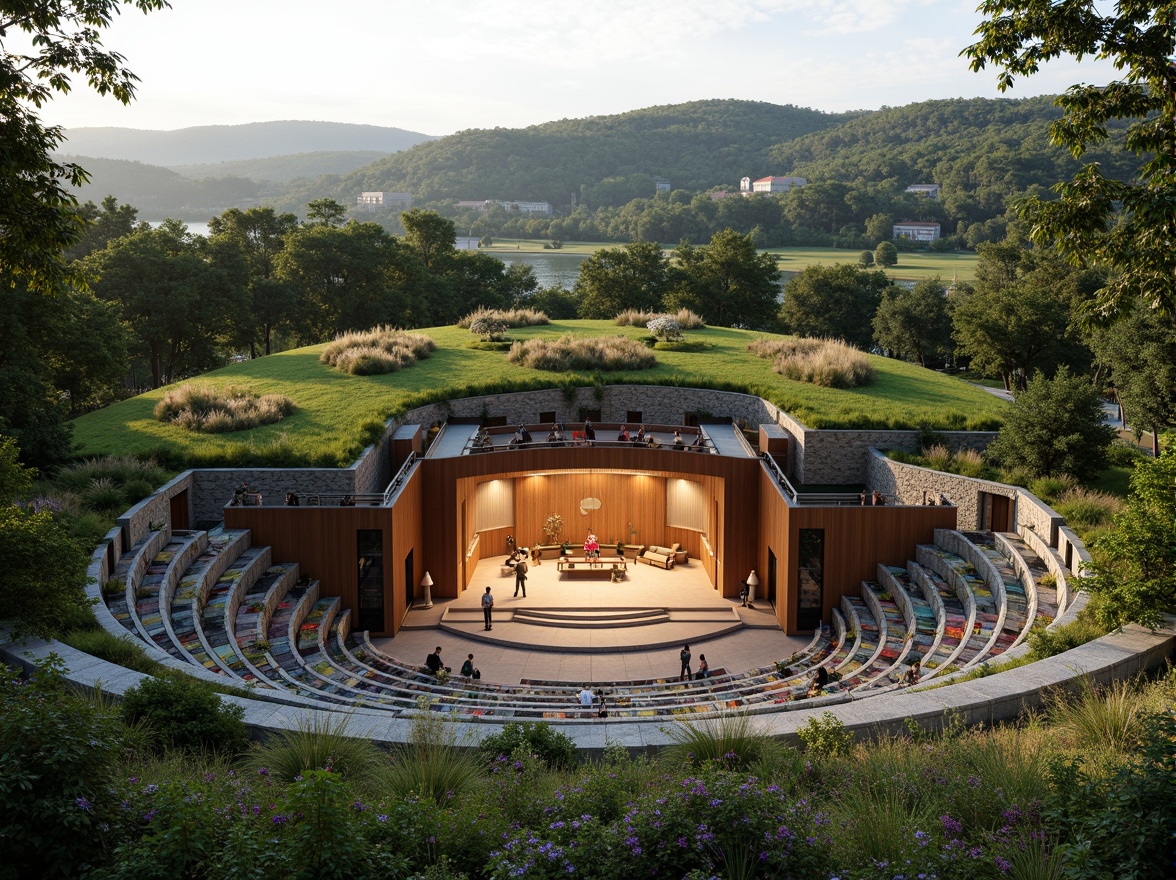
(427, 583)
(752, 583)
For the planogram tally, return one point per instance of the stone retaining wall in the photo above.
(911, 484)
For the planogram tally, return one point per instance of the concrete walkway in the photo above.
(587, 648)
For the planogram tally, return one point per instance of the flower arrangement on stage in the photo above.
(591, 547)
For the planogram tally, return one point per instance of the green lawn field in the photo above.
(332, 406)
(913, 266)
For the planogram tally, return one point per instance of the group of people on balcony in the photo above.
(559, 436)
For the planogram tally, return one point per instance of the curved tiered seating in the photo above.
(216, 602)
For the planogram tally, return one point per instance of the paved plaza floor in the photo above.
(582, 627)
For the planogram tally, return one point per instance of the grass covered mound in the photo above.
(594, 353)
(377, 351)
(509, 317)
(207, 409)
(827, 362)
(330, 426)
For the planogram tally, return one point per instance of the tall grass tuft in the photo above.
(321, 741)
(1088, 507)
(686, 319)
(210, 409)
(579, 353)
(730, 741)
(509, 317)
(382, 349)
(829, 363)
(433, 765)
(1101, 719)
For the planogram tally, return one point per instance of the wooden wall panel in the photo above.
(627, 501)
(322, 540)
(449, 480)
(407, 535)
(857, 539)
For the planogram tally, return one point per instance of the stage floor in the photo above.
(587, 629)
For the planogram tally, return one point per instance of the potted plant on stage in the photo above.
(592, 549)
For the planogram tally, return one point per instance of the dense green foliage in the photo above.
(833, 302)
(1085, 791)
(556, 750)
(185, 714)
(1126, 224)
(58, 756)
(619, 156)
(1055, 426)
(1134, 565)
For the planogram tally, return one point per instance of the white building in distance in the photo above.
(384, 201)
(930, 190)
(770, 184)
(521, 207)
(916, 231)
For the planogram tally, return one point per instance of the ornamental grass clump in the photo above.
(209, 409)
(829, 363)
(509, 317)
(382, 349)
(686, 319)
(322, 742)
(578, 353)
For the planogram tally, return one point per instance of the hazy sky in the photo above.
(439, 66)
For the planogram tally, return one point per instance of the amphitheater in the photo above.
(952, 571)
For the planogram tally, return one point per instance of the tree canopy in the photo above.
(1055, 426)
(834, 302)
(1127, 226)
(727, 282)
(39, 219)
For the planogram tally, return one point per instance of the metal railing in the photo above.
(775, 471)
(401, 476)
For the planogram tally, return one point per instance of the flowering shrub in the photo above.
(722, 823)
(665, 328)
(488, 330)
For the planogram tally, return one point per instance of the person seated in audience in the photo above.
(703, 670)
(623, 437)
(697, 444)
(651, 442)
(526, 435)
(468, 670)
(602, 711)
(292, 499)
(678, 444)
(640, 437)
(911, 676)
(818, 682)
(433, 661)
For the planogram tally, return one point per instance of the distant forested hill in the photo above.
(159, 193)
(224, 143)
(600, 160)
(282, 168)
(978, 150)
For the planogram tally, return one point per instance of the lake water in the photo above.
(551, 270)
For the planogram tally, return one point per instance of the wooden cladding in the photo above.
(628, 481)
(323, 541)
(857, 539)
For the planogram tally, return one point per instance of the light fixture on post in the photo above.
(752, 583)
(427, 583)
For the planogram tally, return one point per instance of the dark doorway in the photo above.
(409, 578)
(995, 513)
(634, 416)
(771, 577)
(547, 417)
(589, 415)
(810, 594)
(179, 511)
(369, 546)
